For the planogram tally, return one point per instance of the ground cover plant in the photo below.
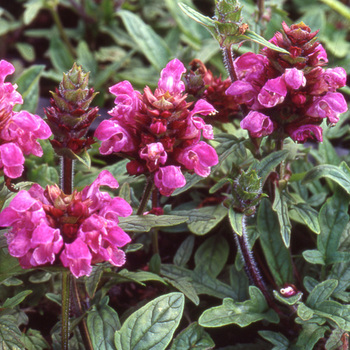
(174, 175)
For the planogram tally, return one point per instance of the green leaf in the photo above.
(240, 313)
(201, 228)
(32, 8)
(60, 56)
(252, 36)
(337, 174)
(212, 255)
(333, 219)
(267, 164)
(33, 340)
(306, 214)
(152, 326)
(40, 277)
(236, 221)
(336, 312)
(144, 223)
(321, 292)
(26, 51)
(28, 87)
(202, 282)
(314, 256)
(184, 252)
(304, 312)
(92, 281)
(288, 300)
(83, 157)
(151, 45)
(276, 254)
(17, 299)
(336, 5)
(141, 276)
(277, 339)
(310, 335)
(10, 335)
(334, 342)
(193, 337)
(102, 322)
(185, 286)
(280, 206)
(86, 59)
(9, 266)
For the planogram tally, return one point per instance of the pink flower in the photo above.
(258, 124)
(169, 178)
(199, 157)
(305, 132)
(80, 229)
(273, 92)
(19, 131)
(328, 106)
(152, 128)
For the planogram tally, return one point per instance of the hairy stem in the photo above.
(251, 267)
(145, 196)
(228, 61)
(65, 309)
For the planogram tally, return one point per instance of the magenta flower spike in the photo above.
(156, 129)
(78, 230)
(289, 94)
(19, 131)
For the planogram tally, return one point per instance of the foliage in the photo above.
(190, 280)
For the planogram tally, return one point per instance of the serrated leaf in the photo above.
(276, 254)
(28, 87)
(280, 206)
(307, 215)
(10, 335)
(193, 337)
(337, 174)
(144, 223)
(333, 219)
(184, 252)
(211, 256)
(201, 228)
(240, 313)
(268, 163)
(102, 322)
(236, 221)
(151, 45)
(92, 281)
(277, 339)
(321, 292)
(152, 326)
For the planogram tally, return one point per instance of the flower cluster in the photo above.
(289, 94)
(160, 132)
(19, 131)
(80, 229)
(201, 83)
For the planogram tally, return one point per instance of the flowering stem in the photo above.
(67, 171)
(228, 61)
(250, 265)
(145, 196)
(65, 309)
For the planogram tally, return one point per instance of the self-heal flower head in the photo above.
(78, 230)
(293, 91)
(152, 130)
(19, 131)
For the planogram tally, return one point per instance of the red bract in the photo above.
(19, 131)
(289, 94)
(80, 229)
(160, 132)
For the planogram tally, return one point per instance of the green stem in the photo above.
(65, 309)
(61, 30)
(145, 196)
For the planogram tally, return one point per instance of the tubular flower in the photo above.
(155, 130)
(19, 131)
(294, 92)
(80, 229)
